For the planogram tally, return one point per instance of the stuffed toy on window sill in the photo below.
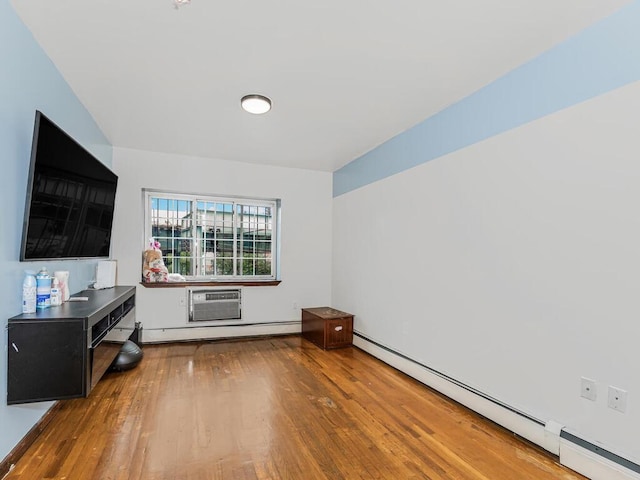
(153, 267)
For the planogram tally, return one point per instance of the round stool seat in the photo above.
(129, 356)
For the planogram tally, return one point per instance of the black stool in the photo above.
(129, 356)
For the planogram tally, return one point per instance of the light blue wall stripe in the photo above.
(601, 58)
(30, 81)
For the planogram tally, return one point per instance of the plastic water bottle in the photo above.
(56, 294)
(29, 292)
(43, 289)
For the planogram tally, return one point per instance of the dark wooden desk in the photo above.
(63, 351)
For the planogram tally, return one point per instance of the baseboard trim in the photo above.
(211, 332)
(594, 461)
(23, 445)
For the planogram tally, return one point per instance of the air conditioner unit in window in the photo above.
(208, 305)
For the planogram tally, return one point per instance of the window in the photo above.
(214, 238)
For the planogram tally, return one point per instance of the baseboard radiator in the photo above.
(215, 305)
(584, 457)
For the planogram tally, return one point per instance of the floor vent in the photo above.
(208, 305)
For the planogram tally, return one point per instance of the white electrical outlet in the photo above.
(295, 305)
(617, 399)
(588, 389)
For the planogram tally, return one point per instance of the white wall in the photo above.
(306, 238)
(512, 265)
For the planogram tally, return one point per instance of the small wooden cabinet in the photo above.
(327, 327)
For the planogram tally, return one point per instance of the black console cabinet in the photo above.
(63, 351)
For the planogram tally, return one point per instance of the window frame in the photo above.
(274, 204)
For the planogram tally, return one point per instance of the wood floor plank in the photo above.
(271, 409)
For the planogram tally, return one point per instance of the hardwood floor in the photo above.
(273, 408)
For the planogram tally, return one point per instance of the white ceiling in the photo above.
(344, 75)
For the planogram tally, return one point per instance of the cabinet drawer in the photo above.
(339, 332)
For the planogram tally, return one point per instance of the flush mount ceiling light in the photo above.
(256, 104)
(178, 3)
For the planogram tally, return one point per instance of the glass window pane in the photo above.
(263, 247)
(224, 248)
(209, 236)
(180, 259)
(246, 266)
(263, 267)
(224, 267)
(207, 262)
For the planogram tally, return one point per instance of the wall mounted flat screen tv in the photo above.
(70, 199)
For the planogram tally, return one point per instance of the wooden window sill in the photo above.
(245, 283)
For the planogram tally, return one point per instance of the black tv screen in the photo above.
(70, 199)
